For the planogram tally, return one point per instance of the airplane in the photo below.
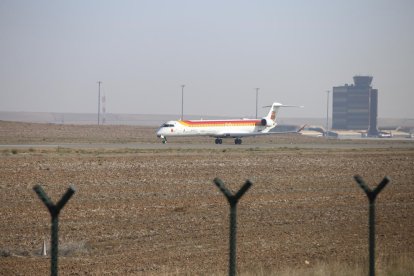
(220, 129)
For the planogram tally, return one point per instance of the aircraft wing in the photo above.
(244, 134)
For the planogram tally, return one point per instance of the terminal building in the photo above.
(355, 106)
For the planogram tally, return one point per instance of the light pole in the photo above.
(327, 114)
(257, 96)
(182, 101)
(99, 99)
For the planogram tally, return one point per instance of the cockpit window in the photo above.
(167, 125)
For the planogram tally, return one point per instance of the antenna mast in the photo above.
(99, 100)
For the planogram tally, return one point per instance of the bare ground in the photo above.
(158, 211)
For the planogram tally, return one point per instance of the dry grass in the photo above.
(402, 265)
(157, 212)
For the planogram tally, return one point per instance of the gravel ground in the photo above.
(158, 212)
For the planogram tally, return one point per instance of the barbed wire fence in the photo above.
(232, 198)
(54, 210)
(372, 195)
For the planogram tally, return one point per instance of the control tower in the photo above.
(355, 106)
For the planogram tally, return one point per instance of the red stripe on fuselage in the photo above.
(191, 123)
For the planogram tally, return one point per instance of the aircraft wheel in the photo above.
(216, 141)
(238, 141)
(220, 141)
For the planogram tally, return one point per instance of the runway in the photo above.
(334, 144)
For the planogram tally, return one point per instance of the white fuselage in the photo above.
(215, 128)
(221, 128)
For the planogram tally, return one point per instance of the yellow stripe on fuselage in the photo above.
(189, 123)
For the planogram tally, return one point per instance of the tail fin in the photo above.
(270, 120)
(274, 108)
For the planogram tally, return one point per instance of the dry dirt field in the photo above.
(157, 211)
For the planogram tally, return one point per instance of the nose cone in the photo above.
(159, 133)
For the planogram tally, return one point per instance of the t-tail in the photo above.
(270, 120)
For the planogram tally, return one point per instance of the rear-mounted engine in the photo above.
(265, 122)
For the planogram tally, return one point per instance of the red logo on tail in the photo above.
(273, 116)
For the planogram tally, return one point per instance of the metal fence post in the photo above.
(54, 211)
(233, 200)
(372, 195)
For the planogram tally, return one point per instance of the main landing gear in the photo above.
(238, 141)
(219, 141)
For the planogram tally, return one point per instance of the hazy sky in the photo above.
(52, 53)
